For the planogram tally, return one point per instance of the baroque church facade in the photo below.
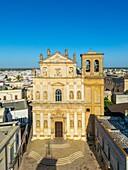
(66, 99)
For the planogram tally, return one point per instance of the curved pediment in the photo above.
(57, 84)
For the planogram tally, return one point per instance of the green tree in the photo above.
(107, 103)
(18, 77)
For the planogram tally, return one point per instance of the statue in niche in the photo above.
(79, 123)
(45, 95)
(71, 71)
(45, 124)
(37, 124)
(71, 95)
(44, 71)
(58, 71)
(71, 124)
(78, 95)
(38, 95)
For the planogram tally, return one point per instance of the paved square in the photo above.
(59, 154)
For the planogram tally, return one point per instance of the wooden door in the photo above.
(58, 129)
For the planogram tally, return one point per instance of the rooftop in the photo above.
(118, 128)
(6, 133)
(120, 108)
(16, 104)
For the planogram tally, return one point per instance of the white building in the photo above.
(2, 116)
(1, 83)
(111, 141)
(18, 110)
(119, 98)
(10, 94)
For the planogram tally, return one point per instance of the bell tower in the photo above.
(92, 64)
(92, 72)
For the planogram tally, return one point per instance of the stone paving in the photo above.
(58, 154)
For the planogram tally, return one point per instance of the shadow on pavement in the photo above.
(47, 164)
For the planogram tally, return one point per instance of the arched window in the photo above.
(87, 65)
(96, 65)
(37, 95)
(58, 95)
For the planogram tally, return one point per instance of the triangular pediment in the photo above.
(58, 58)
(57, 84)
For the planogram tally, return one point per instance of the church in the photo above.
(66, 98)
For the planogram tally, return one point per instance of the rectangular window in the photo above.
(102, 143)
(4, 98)
(12, 153)
(16, 97)
(17, 141)
(117, 165)
(108, 153)
(88, 110)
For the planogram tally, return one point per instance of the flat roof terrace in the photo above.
(118, 128)
(6, 133)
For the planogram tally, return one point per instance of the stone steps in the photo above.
(35, 156)
(60, 161)
(70, 159)
(59, 146)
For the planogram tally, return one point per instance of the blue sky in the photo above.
(30, 27)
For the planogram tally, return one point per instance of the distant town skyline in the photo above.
(29, 28)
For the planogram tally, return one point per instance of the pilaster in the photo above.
(49, 124)
(82, 93)
(75, 124)
(67, 91)
(68, 123)
(75, 91)
(42, 123)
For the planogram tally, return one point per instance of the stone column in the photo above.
(68, 123)
(83, 123)
(67, 95)
(34, 91)
(102, 100)
(92, 67)
(49, 93)
(64, 128)
(75, 91)
(34, 124)
(82, 92)
(41, 92)
(75, 123)
(42, 123)
(100, 66)
(49, 124)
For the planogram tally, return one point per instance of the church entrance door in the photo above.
(58, 129)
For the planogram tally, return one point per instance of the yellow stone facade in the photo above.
(65, 98)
